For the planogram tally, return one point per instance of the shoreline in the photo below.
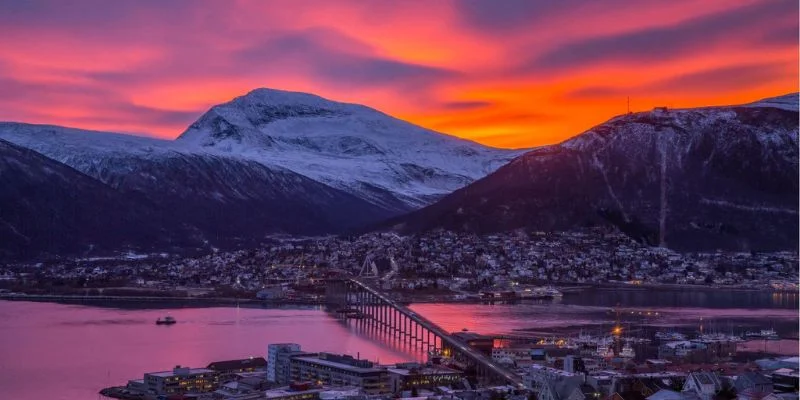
(404, 297)
(139, 301)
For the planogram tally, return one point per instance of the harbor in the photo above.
(205, 334)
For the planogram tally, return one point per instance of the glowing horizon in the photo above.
(511, 74)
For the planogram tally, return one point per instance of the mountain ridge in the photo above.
(48, 208)
(388, 161)
(666, 177)
(741, 161)
(229, 198)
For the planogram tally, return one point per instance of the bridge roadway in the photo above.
(462, 347)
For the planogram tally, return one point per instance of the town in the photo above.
(623, 364)
(581, 369)
(439, 266)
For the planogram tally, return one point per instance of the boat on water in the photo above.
(768, 334)
(673, 336)
(544, 292)
(605, 351)
(168, 320)
(718, 337)
(627, 351)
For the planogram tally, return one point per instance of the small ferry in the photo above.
(166, 321)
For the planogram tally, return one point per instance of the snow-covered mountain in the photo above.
(391, 163)
(691, 179)
(269, 162)
(227, 200)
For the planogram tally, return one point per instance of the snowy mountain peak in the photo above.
(239, 119)
(268, 96)
(349, 146)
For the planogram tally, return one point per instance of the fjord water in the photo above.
(69, 352)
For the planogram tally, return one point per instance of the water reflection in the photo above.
(638, 297)
(785, 299)
(87, 348)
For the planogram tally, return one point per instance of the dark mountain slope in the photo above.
(49, 208)
(696, 179)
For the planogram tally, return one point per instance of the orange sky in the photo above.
(514, 73)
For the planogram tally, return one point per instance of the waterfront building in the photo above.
(181, 380)
(340, 370)
(227, 369)
(511, 355)
(278, 361)
(409, 376)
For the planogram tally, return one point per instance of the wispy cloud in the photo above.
(484, 70)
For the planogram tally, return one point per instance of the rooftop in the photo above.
(347, 367)
(287, 391)
(423, 371)
(191, 371)
(556, 371)
(252, 362)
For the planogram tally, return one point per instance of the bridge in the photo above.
(356, 299)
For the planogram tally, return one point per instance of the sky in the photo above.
(511, 73)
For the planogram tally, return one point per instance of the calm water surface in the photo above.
(722, 311)
(66, 352)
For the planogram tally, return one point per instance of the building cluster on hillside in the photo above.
(549, 373)
(436, 260)
(618, 367)
(572, 378)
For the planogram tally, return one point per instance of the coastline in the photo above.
(166, 301)
(157, 302)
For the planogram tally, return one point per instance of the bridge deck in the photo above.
(462, 347)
